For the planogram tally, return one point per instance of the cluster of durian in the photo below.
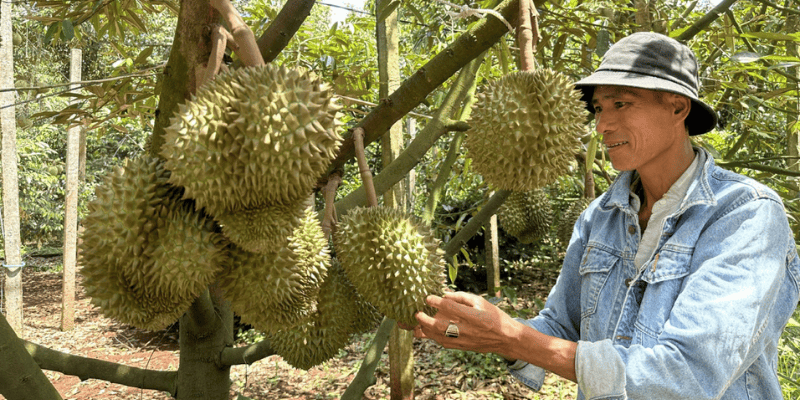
(525, 129)
(278, 289)
(393, 260)
(145, 253)
(569, 216)
(246, 151)
(340, 312)
(526, 215)
(250, 146)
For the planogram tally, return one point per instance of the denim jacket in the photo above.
(701, 319)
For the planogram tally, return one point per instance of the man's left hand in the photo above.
(482, 327)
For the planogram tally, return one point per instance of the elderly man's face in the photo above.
(640, 127)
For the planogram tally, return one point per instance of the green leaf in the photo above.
(387, 10)
(770, 36)
(452, 269)
(142, 57)
(466, 256)
(745, 57)
(417, 15)
(591, 152)
(67, 29)
(243, 398)
(51, 31)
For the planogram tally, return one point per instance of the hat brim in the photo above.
(701, 119)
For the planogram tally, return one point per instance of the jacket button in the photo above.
(631, 229)
(628, 281)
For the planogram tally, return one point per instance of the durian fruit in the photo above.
(146, 254)
(277, 289)
(525, 129)
(392, 260)
(321, 335)
(568, 218)
(261, 230)
(253, 136)
(526, 215)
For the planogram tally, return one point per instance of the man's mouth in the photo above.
(611, 146)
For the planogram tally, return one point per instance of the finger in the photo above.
(467, 299)
(451, 308)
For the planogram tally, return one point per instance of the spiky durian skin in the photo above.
(276, 290)
(145, 253)
(261, 230)
(526, 215)
(525, 129)
(568, 218)
(392, 260)
(253, 136)
(322, 333)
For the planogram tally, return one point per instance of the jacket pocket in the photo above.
(595, 269)
(664, 276)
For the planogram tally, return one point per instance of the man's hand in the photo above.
(482, 327)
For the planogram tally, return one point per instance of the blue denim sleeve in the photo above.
(561, 314)
(741, 289)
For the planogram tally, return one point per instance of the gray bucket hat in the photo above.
(653, 61)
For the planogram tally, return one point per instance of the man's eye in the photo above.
(619, 104)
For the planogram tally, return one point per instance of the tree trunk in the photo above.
(401, 351)
(13, 258)
(205, 330)
(20, 376)
(71, 209)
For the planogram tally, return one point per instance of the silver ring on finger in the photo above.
(452, 330)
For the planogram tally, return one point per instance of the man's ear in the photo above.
(681, 105)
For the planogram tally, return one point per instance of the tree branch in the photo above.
(366, 373)
(283, 28)
(471, 228)
(702, 23)
(90, 368)
(777, 7)
(413, 91)
(758, 167)
(246, 354)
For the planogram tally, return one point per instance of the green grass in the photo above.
(789, 358)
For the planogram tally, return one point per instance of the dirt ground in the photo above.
(440, 374)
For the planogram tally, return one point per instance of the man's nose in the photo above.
(604, 123)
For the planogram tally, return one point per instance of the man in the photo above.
(677, 282)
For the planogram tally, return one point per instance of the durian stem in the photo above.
(246, 354)
(90, 368)
(329, 193)
(219, 39)
(243, 36)
(365, 377)
(471, 228)
(363, 167)
(526, 37)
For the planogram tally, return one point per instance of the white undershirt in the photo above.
(663, 208)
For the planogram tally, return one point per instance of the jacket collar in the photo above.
(618, 194)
